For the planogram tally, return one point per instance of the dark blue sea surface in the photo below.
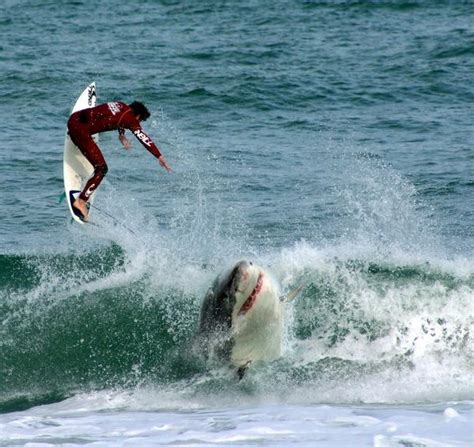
(329, 141)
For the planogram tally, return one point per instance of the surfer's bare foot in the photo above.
(81, 205)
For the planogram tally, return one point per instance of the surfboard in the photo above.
(76, 169)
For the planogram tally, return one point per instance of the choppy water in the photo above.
(331, 142)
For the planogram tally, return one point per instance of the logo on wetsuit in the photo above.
(90, 190)
(144, 138)
(114, 107)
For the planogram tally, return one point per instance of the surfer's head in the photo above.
(139, 110)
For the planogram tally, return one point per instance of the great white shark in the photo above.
(242, 316)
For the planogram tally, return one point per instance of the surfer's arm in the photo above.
(151, 147)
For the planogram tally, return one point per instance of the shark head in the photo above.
(242, 314)
(247, 283)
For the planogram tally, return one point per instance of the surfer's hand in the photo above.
(164, 163)
(124, 140)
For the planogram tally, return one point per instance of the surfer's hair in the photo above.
(139, 108)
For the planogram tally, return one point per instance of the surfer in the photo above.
(103, 118)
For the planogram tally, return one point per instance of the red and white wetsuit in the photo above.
(103, 118)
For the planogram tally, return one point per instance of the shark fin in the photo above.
(292, 294)
(241, 370)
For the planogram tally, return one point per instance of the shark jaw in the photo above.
(250, 301)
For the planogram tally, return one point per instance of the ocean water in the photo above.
(331, 142)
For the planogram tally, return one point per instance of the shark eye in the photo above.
(251, 263)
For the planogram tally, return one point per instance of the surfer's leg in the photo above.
(100, 169)
(91, 151)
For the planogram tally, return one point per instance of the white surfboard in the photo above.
(76, 169)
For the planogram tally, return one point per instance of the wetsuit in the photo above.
(102, 118)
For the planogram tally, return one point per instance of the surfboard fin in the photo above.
(62, 197)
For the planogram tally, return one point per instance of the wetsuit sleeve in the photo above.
(128, 121)
(146, 141)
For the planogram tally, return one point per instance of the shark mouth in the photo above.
(249, 302)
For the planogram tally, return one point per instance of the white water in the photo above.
(150, 418)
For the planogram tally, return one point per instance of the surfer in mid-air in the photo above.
(102, 118)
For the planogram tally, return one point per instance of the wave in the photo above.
(74, 323)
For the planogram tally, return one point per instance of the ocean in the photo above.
(330, 142)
